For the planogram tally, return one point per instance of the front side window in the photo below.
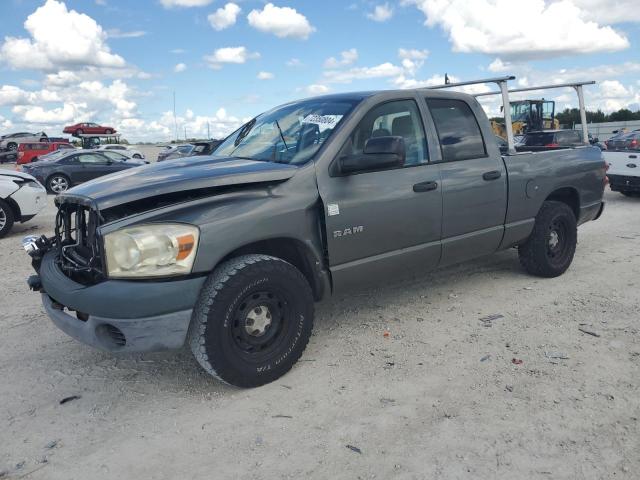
(115, 156)
(290, 134)
(392, 119)
(91, 158)
(458, 129)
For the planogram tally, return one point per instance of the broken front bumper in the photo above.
(119, 316)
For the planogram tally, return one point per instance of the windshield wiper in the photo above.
(282, 135)
(244, 132)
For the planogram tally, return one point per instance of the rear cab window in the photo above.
(458, 129)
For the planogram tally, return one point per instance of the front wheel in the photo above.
(549, 250)
(79, 132)
(6, 218)
(252, 321)
(108, 132)
(135, 155)
(12, 146)
(58, 183)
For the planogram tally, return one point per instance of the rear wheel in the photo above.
(108, 132)
(549, 250)
(6, 218)
(58, 183)
(12, 146)
(79, 132)
(252, 321)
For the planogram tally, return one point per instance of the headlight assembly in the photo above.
(156, 250)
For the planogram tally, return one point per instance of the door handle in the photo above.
(425, 186)
(493, 175)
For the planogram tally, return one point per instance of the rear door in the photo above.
(383, 222)
(473, 177)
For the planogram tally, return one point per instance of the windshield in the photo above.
(291, 134)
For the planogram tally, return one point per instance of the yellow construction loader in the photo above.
(529, 115)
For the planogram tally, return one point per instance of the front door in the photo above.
(382, 222)
(93, 165)
(474, 188)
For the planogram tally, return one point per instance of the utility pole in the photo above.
(208, 134)
(185, 133)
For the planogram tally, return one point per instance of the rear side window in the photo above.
(458, 129)
(538, 139)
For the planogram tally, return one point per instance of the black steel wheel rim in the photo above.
(557, 240)
(260, 323)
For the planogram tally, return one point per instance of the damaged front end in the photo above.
(75, 242)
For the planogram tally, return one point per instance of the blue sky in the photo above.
(118, 62)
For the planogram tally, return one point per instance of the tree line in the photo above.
(571, 116)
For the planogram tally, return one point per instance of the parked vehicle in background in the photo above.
(75, 167)
(175, 151)
(21, 198)
(30, 152)
(8, 156)
(617, 135)
(204, 148)
(228, 252)
(88, 128)
(11, 141)
(628, 141)
(624, 172)
(550, 140)
(117, 156)
(123, 149)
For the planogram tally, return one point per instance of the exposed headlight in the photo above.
(156, 250)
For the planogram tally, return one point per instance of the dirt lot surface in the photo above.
(440, 397)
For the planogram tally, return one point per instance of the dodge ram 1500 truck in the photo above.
(229, 252)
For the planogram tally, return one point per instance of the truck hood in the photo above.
(179, 175)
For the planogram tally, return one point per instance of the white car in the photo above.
(624, 172)
(21, 198)
(123, 149)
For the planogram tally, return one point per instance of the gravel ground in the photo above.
(441, 396)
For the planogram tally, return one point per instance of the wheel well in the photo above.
(290, 250)
(17, 215)
(569, 196)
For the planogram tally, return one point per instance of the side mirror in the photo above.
(379, 153)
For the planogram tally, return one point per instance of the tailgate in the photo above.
(623, 163)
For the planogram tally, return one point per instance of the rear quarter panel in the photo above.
(534, 177)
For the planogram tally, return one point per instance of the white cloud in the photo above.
(413, 54)
(180, 67)
(185, 3)
(386, 69)
(224, 17)
(229, 55)
(37, 115)
(59, 38)
(519, 29)
(316, 89)
(347, 57)
(294, 62)
(499, 66)
(381, 13)
(177, 51)
(606, 11)
(280, 21)
(265, 76)
(12, 95)
(117, 33)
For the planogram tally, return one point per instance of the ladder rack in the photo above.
(504, 91)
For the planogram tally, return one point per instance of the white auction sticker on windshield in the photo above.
(324, 122)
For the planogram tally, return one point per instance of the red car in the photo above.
(28, 152)
(88, 128)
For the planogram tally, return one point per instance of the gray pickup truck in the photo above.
(229, 252)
